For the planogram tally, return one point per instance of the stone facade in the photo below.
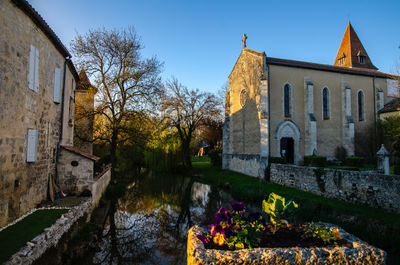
(37, 84)
(373, 189)
(75, 170)
(359, 253)
(261, 126)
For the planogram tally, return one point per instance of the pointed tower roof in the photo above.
(351, 52)
(84, 82)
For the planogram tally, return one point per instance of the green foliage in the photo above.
(323, 233)
(160, 160)
(277, 160)
(354, 161)
(319, 177)
(215, 156)
(390, 126)
(278, 209)
(315, 161)
(248, 234)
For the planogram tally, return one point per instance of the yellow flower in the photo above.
(219, 239)
(336, 233)
(239, 245)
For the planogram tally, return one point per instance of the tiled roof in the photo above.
(391, 106)
(79, 152)
(327, 67)
(350, 49)
(51, 35)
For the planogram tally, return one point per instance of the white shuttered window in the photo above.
(57, 85)
(33, 75)
(32, 146)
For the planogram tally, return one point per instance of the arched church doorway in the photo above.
(287, 149)
(288, 141)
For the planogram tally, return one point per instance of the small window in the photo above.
(325, 103)
(360, 105)
(33, 74)
(361, 59)
(57, 85)
(286, 99)
(74, 163)
(243, 97)
(32, 146)
(341, 61)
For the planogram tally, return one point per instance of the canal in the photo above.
(149, 224)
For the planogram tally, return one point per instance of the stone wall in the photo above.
(50, 237)
(373, 189)
(99, 185)
(22, 184)
(75, 172)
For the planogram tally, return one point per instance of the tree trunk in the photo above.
(187, 161)
(113, 153)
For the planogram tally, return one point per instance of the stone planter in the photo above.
(360, 253)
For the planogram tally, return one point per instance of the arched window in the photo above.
(325, 103)
(360, 105)
(286, 98)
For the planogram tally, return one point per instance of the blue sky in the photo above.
(199, 41)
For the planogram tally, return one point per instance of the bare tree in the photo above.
(184, 109)
(126, 83)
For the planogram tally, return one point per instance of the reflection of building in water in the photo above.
(279, 107)
(200, 193)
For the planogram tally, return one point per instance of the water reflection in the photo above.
(149, 224)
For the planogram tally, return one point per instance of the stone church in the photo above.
(285, 108)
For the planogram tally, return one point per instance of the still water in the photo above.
(151, 221)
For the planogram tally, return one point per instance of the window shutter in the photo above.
(31, 150)
(36, 86)
(31, 74)
(57, 85)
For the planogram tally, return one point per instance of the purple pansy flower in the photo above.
(203, 239)
(219, 236)
(237, 206)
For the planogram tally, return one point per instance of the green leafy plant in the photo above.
(323, 233)
(278, 210)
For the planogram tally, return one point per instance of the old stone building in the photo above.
(37, 85)
(286, 108)
(84, 106)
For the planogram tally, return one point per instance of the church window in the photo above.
(341, 61)
(360, 105)
(286, 98)
(361, 59)
(325, 103)
(243, 97)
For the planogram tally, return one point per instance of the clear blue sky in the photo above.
(199, 41)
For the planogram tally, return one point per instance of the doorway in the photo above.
(287, 149)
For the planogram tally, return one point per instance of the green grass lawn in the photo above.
(15, 237)
(376, 226)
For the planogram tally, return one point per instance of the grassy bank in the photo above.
(376, 226)
(15, 237)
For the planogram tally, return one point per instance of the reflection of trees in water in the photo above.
(149, 225)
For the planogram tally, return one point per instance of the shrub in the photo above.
(340, 153)
(315, 161)
(277, 160)
(216, 157)
(353, 161)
